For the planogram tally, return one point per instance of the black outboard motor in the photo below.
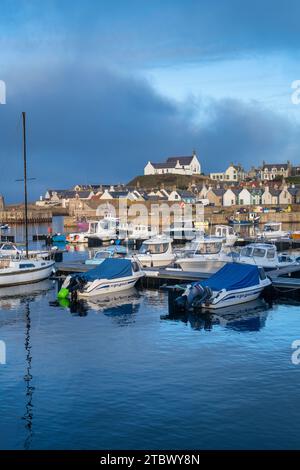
(193, 296)
(76, 283)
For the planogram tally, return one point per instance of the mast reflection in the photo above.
(28, 415)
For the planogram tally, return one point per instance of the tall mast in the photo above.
(25, 182)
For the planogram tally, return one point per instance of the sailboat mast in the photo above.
(25, 182)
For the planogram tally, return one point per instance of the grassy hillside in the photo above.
(293, 179)
(169, 181)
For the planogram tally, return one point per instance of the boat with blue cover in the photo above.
(113, 275)
(233, 284)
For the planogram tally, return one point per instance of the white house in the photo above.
(285, 197)
(244, 197)
(229, 198)
(180, 195)
(175, 165)
(231, 174)
(274, 170)
(270, 196)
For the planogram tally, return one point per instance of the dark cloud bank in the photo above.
(99, 126)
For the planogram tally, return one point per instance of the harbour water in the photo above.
(120, 373)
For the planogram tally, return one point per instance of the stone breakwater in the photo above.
(17, 216)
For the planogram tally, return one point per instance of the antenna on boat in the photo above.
(25, 181)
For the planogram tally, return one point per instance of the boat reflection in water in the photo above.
(122, 305)
(250, 317)
(18, 300)
(13, 297)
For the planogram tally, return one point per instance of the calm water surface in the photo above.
(120, 373)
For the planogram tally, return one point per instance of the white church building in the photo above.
(177, 165)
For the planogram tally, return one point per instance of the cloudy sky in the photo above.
(110, 84)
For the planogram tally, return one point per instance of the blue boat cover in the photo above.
(233, 276)
(111, 268)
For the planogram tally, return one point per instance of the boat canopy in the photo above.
(233, 276)
(111, 268)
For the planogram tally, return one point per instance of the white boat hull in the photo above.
(209, 266)
(109, 286)
(155, 261)
(15, 277)
(236, 297)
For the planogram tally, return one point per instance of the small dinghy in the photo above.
(232, 285)
(113, 275)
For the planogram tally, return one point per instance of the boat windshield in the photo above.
(103, 255)
(224, 231)
(259, 252)
(93, 227)
(206, 248)
(272, 228)
(154, 248)
(247, 251)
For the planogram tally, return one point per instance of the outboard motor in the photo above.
(193, 296)
(71, 285)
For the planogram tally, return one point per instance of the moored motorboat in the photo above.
(14, 272)
(273, 230)
(113, 275)
(156, 252)
(181, 231)
(204, 254)
(226, 233)
(103, 230)
(232, 285)
(265, 255)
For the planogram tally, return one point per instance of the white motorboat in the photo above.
(232, 285)
(104, 230)
(113, 251)
(204, 254)
(134, 231)
(265, 255)
(226, 234)
(273, 230)
(181, 231)
(113, 275)
(156, 252)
